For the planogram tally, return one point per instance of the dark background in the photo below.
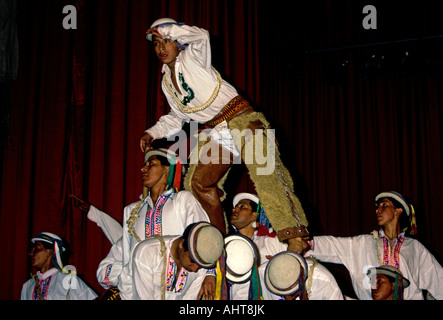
(356, 112)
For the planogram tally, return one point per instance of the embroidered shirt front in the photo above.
(391, 251)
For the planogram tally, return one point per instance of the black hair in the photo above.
(47, 245)
(64, 254)
(185, 236)
(390, 278)
(163, 160)
(254, 206)
(404, 218)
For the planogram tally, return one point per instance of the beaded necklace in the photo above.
(41, 288)
(183, 108)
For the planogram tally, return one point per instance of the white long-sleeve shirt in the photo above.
(198, 81)
(147, 276)
(112, 229)
(359, 253)
(179, 210)
(324, 286)
(55, 285)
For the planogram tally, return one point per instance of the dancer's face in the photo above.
(384, 290)
(386, 212)
(39, 255)
(185, 258)
(242, 214)
(153, 172)
(166, 50)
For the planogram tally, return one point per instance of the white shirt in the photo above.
(147, 276)
(324, 286)
(193, 69)
(359, 253)
(55, 285)
(180, 210)
(112, 229)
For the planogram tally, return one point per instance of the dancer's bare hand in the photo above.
(207, 289)
(80, 203)
(145, 142)
(154, 32)
(298, 244)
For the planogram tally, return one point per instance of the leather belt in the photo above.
(234, 106)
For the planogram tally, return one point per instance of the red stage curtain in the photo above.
(83, 97)
(80, 103)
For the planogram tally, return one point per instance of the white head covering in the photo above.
(57, 242)
(285, 273)
(160, 22)
(396, 196)
(389, 271)
(205, 244)
(240, 258)
(407, 207)
(244, 195)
